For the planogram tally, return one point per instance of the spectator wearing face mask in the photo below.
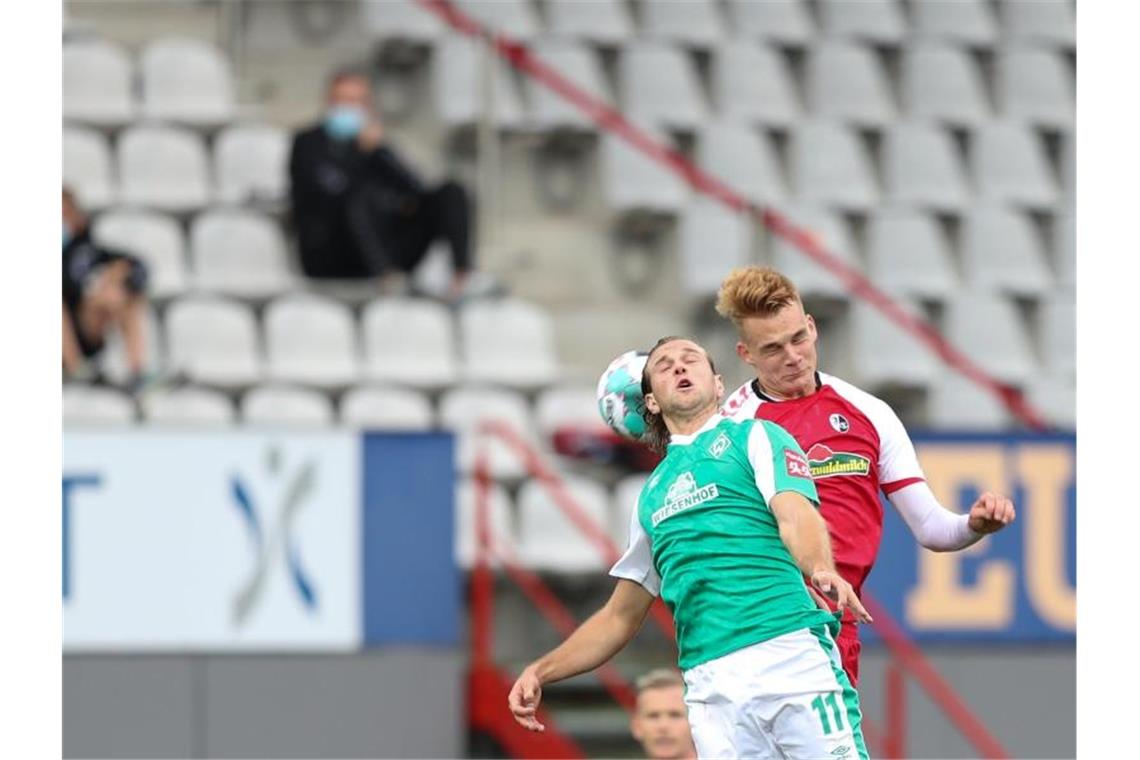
(359, 211)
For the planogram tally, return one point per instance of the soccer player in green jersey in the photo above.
(725, 530)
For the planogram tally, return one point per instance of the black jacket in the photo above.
(327, 175)
(82, 260)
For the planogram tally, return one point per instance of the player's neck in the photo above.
(689, 424)
(808, 388)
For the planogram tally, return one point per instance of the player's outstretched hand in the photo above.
(839, 591)
(524, 698)
(990, 513)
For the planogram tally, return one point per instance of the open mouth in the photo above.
(684, 384)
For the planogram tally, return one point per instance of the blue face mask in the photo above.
(344, 122)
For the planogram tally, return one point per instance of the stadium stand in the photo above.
(907, 252)
(753, 83)
(547, 539)
(409, 342)
(386, 408)
(163, 167)
(92, 406)
(941, 81)
(156, 239)
(186, 81)
(239, 253)
(87, 167)
(189, 408)
(97, 84)
(286, 406)
(214, 341)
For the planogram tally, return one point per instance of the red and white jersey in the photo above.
(856, 446)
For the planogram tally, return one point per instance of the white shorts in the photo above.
(786, 698)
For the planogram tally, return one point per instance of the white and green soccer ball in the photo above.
(619, 395)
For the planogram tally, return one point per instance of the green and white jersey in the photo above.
(704, 539)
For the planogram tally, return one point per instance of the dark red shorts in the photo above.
(849, 647)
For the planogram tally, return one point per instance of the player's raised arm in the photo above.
(594, 642)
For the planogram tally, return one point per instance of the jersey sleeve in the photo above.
(898, 462)
(779, 463)
(637, 563)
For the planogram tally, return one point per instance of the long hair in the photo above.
(656, 431)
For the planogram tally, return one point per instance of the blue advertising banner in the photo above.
(1018, 585)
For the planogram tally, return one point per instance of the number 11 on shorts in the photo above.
(820, 705)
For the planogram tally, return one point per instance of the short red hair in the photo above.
(754, 292)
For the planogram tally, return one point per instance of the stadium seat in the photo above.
(187, 81)
(400, 21)
(1010, 166)
(509, 343)
(578, 64)
(1043, 21)
(1058, 320)
(91, 406)
(87, 167)
(908, 253)
(1001, 252)
(988, 329)
(567, 406)
(409, 342)
(635, 182)
(695, 23)
(714, 240)
(251, 163)
(659, 86)
(963, 22)
(921, 167)
(164, 168)
(1069, 164)
(239, 253)
(311, 340)
(514, 18)
(287, 406)
(188, 407)
(811, 278)
(784, 22)
(548, 540)
(959, 404)
(154, 238)
(885, 353)
(830, 165)
(752, 83)
(1055, 398)
(462, 410)
(941, 82)
(500, 521)
(879, 22)
(457, 90)
(1034, 85)
(214, 341)
(113, 360)
(97, 87)
(601, 22)
(744, 159)
(626, 493)
(846, 82)
(1065, 247)
(386, 408)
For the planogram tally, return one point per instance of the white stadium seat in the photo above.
(921, 167)
(507, 342)
(462, 410)
(1034, 85)
(1055, 398)
(577, 63)
(1010, 165)
(567, 406)
(1065, 247)
(811, 278)
(831, 166)
(785, 22)
(188, 407)
(877, 21)
(400, 21)
(154, 238)
(548, 540)
(1001, 252)
(752, 83)
(941, 82)
(908, 253)
(742, 158)
(885, 353)
(988, 329)
(514, 18)
(386, 408)
(695, 23)
(163, 167)
(601, 22)
(87, 167)
(409, 342)
(1043, 21)
(957, 403)
(635, 182)
(499, 520)
(1058, 319)
(964, 22)
(97, 83)
(251, 163)
(457, 85)
(659, 86)
(113, 360)
(87, 406)
(714, 240)
(846, 82)
(311, 340)
(626, 494)
(239, 253)
(214, 341)
(286, 406)
(187, 81)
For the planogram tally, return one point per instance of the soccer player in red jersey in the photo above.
(856, 445)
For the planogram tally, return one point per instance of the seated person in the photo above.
(359, 211)
(103, 290)
(661, 721)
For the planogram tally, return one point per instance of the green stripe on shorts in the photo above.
(850, 697)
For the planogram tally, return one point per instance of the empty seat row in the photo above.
(182, 80)
(169, 168)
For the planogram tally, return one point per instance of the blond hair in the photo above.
(659, 679)
(754, 292)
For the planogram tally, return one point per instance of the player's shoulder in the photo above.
(742, 403)
(879, 412)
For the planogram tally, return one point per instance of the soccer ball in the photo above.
(619, 395)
